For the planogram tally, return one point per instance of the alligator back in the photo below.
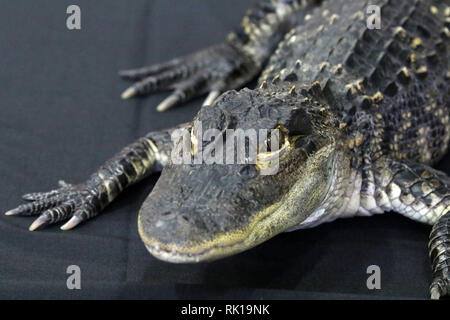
(389, 85)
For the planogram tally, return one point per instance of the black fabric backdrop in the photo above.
(61, 117)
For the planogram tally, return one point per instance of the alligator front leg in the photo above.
(422, 194)
(228, 65)
(81, 202)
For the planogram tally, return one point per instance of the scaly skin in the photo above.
(364, 114)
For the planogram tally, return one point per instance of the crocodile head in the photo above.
(199, 212)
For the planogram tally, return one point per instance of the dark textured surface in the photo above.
(410, 116)
(61, 117)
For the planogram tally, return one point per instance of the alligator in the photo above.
(363, 113)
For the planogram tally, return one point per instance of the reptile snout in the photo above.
(170, 231)
(185, 226)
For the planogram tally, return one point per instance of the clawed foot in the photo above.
(213, 70)
(73, 202)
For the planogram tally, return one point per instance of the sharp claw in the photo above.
(12, 212)
(211, 97)
(130, 92)
(435, 295)
(41, 221)
(168, 103)
(72, 223)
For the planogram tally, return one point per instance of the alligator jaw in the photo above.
(220, 247)
(178, 256)
(173, 256)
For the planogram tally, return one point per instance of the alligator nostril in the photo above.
(167, 215)
(185, 218)
(248, 171)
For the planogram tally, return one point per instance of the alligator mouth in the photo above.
(173, 256)
(177, 256)
(223, 245)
